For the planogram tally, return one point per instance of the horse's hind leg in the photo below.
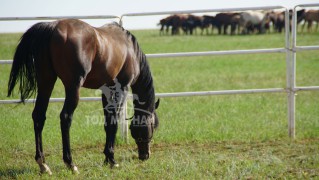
(71, 101)
(45, 87)
(303, 26)
(309, 26)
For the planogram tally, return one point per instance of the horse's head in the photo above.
(142, 128)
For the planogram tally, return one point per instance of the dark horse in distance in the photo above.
(85, 56)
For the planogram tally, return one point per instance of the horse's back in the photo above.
(312, 15)
(252, 16)
(93, 56)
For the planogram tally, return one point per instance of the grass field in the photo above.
(215, 137)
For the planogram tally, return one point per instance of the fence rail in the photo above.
(206, 53)
(166, 95)
(203, 11)
(305, 48)
(58, 17)
(290, 49)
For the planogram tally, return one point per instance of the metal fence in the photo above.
(290, 49)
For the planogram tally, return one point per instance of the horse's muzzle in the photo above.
(143, 156)
(144, 151)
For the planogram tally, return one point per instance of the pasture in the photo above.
(209, 137)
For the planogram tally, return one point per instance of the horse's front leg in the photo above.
(113, 102)
(70, 104)
(110, 127)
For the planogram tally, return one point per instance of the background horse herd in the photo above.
(248, 22)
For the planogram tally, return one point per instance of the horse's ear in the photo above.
(157, 103)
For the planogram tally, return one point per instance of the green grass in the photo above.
(229, 137)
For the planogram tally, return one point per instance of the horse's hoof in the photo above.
(75, 170)
(114, 165)
(44, 169)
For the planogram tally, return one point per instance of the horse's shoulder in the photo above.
(113, 29)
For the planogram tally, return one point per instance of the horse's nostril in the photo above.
(144, 156)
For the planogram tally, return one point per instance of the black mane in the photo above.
(143, 87)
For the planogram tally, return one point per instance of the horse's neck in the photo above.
(143, 89)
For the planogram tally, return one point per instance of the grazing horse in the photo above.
(179, 21)
(278, 20)
(207, 21)
(223, 20)
(300, 15)
(218, 21)
(253, 19)
(166, 22)
(309, 17)
(191, 23)
(234, 22)
(85, 56)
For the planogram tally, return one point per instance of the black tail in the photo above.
(29, 50)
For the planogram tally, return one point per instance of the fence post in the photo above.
(289, 74)
(124, 122)
(292, 77)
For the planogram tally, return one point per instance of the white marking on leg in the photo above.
(73, 168)
(44, 168)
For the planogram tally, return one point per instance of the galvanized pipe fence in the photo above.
(290, 49)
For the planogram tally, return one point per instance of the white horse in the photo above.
(250, 20)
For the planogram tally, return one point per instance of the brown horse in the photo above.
(84, 56)
(178, 21)
(223, 20)
(278, 20)
(191, 23)
(309, 17)
(166, 22)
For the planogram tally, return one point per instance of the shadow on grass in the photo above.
(14, 172)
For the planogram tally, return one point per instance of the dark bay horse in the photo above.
(85, 56)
